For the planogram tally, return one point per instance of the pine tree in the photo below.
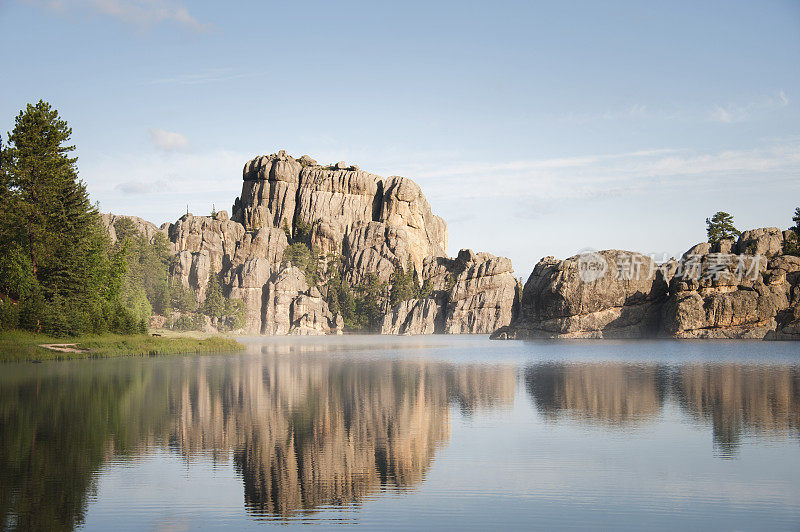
(791, 246)
(720, 226)
(57, 258)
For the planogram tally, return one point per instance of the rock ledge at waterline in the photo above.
(737, 289)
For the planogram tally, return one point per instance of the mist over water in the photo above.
(410, 431)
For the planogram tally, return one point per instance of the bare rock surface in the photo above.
(559, 301)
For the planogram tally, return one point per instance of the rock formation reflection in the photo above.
(601, 393)
(309, 431)
(734, 399)
(737, 399)
(303, 430)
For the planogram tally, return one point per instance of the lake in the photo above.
(456, 432)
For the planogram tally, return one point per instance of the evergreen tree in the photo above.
(791, 246)
(720, 226)
(57, 259)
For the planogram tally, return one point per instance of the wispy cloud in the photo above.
(158, 187)
(169, 140)
(592, 176)
(140, 13)
(741, 112)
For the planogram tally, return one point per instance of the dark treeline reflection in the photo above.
(735, 399)
(303, 430)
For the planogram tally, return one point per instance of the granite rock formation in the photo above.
(743, 288)
(562, 300)
(375, 225)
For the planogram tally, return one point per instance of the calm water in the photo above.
(378, 432)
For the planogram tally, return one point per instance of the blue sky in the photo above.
(533, 128)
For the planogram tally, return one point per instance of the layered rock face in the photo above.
(752, 294)
(349, 211)
(374, 224)
(475, 293)
(741, 288)
(607, 294)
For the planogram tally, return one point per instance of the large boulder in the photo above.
(333, 201)
(765, 241)
(377, 248)
(404, 205)
(292, 307)
(217, 237)
(269, 191)
(475, 293)
(605, 294)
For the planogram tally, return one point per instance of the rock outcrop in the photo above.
(474, 293)
(371, 224)
(143, 227)
(414, 316)
(484, 294)
(607, 294)
(743, 288)
(746, 289)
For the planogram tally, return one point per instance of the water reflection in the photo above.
(304, 431)
(307, 428)
(734, 399)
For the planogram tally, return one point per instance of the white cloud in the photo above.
(169, 140)
(140, 13)
(741, 112)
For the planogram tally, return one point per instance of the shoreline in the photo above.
(23, 346)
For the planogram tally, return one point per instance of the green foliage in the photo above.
(720, 226)
(368, 303)
(791, 246)
(57, 260)
(9, 314)
(182, 299)
(405, 285)
(360, 306)
(306, 258)
(226, 313)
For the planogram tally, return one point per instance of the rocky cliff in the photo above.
(372, 226)
(743, 288)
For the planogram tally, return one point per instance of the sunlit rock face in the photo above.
(374, 225)
(745, 288)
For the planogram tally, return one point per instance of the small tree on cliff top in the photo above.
(720, 226)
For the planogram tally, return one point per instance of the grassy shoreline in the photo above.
(22, 346)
